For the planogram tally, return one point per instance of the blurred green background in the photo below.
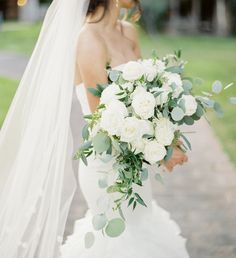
(204, 30)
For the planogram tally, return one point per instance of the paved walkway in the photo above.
(201, 196)
(12, 65)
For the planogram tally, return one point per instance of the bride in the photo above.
(36, 143)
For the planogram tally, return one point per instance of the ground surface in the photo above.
(201, 196)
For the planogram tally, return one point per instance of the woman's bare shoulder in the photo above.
(91, 43)
(130, 30)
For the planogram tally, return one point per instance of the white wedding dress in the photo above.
(150, 232)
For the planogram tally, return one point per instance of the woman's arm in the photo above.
(91, 63)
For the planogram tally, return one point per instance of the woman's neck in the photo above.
(109, 21)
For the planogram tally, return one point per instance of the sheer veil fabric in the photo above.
(36, 174)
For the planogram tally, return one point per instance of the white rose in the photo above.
(150, 69)
(110, 93)
(144, 104)
(117, 106)
(154, 152)
(133, 71)
(190, 105)
(128, 86)
(146, 127)
(138, 90)
(160, 66)
(112, 122)
(130, 130)
(163, 97)
(138, 145)
(164, 131)
(173, 78)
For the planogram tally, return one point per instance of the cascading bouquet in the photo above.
(137, 122)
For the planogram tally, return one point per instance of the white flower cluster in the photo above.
(134, 105)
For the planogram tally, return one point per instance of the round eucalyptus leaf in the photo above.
(101, 142)
(199, 111)
(218, 109)
(89, 240)
(217, 87)
(102, 182)
(115, 227)
(182, 104)
(177, 114)
(187, 85)
(233, 100)
(188, 120)
(114, 75)
(99, 221)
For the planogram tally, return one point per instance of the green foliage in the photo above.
(154, 14)
(7, 91)
(115, 227)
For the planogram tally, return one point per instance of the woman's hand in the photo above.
(178, 158)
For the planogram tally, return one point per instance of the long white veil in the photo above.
(36, 176)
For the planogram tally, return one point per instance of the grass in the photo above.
(19, 37)
(210, 58)
(7, 91)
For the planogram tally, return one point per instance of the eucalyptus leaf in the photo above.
(187, 85)
(218, 109)
(144, 174)
(174, 69)
(188, 120)
(99, 221)
(114, 75)
(115, 227)
(85, 146)
(89, 240)
(233, 100)
(85, 132)
(102, 182)
(169, 153)
(217, 87)
(95, 92)
(199, 111)
(177, 114)
(182, 104)
(101, 142)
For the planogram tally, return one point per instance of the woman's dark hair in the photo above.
(94, 4)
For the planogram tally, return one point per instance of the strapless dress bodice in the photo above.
(82, 94)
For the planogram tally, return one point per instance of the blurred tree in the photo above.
(154, 14)
(232, 11)
(45, 1)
